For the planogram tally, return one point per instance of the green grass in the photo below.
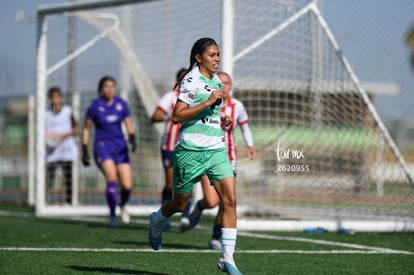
(22, 229)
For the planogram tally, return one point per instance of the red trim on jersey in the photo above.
(172, 131)
(230, 130)
(243, 122)
(161, 109)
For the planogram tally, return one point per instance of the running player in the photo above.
(107, 113)
(163, 113)
(61, 129)
(236, 113)
(201, 149)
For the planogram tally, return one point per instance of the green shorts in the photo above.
(190, 165)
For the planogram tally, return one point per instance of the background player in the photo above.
(201, 149)
(107, 113)
(236, 112)
(163, 113)
(61, 129)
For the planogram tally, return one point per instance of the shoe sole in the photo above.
(222, 268)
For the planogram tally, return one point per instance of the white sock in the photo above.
(159, 221)
(228, 236)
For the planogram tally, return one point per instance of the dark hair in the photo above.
(179, 77)
(180, 74)
(198, 48)
(53, 90)
(102, 82)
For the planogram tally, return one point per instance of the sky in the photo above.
(370, 33)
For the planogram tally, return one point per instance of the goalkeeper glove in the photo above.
(133, 142)
(86, 160)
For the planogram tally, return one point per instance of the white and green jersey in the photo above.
(203, 131)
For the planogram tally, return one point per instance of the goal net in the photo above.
(323, 151)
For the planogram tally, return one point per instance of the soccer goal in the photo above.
(325, 157)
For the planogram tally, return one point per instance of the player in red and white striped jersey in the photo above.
(234, 111)
(163, 113)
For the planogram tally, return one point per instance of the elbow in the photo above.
(175, 119)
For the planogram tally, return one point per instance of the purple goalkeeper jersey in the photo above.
(108, 120)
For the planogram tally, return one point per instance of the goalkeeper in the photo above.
(107, 113)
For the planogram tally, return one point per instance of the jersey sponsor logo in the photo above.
(111, 118)
(118, 107)
(209, 120)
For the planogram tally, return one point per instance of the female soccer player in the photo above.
(201, 149)
(61, 128)
(163, 113)
(236, 113)
(107, 113)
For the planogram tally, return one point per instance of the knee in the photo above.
(229, 201)
(111, 176)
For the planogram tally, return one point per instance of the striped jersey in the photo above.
(167, 105)
(236, 111)
(203, 131)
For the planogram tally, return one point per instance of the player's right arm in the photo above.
(183, 111)
(163, 110)
(85, 140)
(86, 131)
(86, 134)
(158, 116)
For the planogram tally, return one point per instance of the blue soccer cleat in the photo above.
(195, 216)
(166, 227)
(113, 222)
(155, 242)
(228, 268)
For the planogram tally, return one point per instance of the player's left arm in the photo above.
(243, 122)
(130, 128)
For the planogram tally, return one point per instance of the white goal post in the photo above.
(300, 91)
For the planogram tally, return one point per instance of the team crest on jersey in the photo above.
(191, 96)
(118, 107)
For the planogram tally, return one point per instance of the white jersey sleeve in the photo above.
(247, 134)
(242, 114)
(165, 103)
(188, 89)
(242, 120)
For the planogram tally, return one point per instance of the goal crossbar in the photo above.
(86, 5)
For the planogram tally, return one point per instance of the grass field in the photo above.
(30, 245)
